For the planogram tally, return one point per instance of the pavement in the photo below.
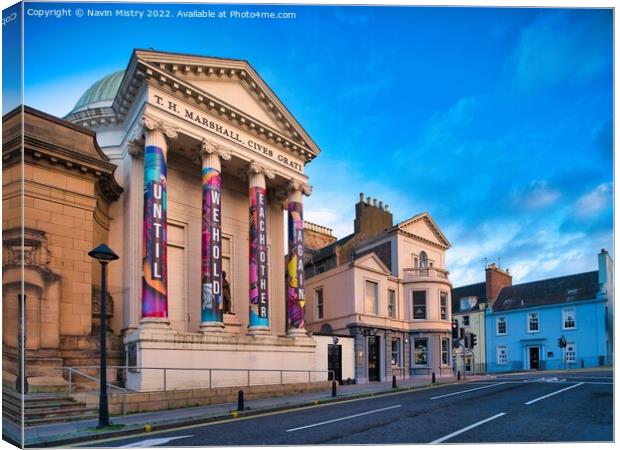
(62, 434)
(560, 406)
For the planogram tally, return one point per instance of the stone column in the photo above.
(211, 268)
(295, 276)
(259, 260)
(132, 276)
(154, 239)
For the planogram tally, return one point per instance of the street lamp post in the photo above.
(104, 255)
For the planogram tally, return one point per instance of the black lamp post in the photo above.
(104, 255)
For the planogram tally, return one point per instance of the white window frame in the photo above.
(499, 320)
(564, 316)
(529, 322)
(375, 307)
(572, 354)
(446, 353)
(441, 306)
(316, 303)
(425, 304)
(399, 351)
(499, 354)
(394, 305)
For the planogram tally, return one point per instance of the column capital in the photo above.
(298, 186)
(211, 148)
(253, 168)
(135, 148)
(149, 123)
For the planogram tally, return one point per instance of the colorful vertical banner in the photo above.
(259, 294)
(154, 262)
(295, 269)
(211, 310)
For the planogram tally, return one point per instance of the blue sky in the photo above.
(498, 122)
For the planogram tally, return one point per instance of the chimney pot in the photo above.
(380, 205)
(368, 200)
(374, 202)
(361, 197)
(387, 207)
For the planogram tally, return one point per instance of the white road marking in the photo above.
(468, 390)
(553, 393)
(153, 442)
(344, 418)
(463, 430)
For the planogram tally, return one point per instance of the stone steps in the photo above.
(42, 409)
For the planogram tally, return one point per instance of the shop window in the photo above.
(420, 356)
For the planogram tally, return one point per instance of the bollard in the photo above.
(334, 388)
(458, 375)
(433, 379)
(240, 402)
(148, 428)
(394, 382)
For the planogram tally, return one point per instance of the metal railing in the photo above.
(165, 371)
(73, 370)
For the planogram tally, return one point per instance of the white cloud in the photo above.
(594, 201)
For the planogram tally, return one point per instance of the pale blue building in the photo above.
(525, 322)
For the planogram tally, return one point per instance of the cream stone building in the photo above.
(187, 167)
(387, 286)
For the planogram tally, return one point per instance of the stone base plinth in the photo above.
(213, 360)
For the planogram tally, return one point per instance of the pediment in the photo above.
(371, 261)
(423, 226)
(235, 83)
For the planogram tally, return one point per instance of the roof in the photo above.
(478, 290)
(330, 249)
(103, 90)
(566, 289)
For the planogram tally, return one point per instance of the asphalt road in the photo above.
(536, 407)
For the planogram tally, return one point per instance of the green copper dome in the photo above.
(103, 90)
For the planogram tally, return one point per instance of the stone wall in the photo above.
(159, 401)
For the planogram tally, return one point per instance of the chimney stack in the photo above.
(371, 218)
(496, 279)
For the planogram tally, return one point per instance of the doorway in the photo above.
(534, 354)
(374, 358)
(334, 362)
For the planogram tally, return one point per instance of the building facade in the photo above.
(187, 167)
(526, 322)
(469, 304)
(387, 286)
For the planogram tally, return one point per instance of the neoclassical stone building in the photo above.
(188, 168)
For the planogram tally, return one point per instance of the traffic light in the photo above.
(472, 340)
(455, 329)
(466, 340)
(562, 342)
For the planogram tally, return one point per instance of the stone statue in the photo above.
(226, 291)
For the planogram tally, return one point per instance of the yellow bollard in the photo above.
(148, 428)
(234, 414)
